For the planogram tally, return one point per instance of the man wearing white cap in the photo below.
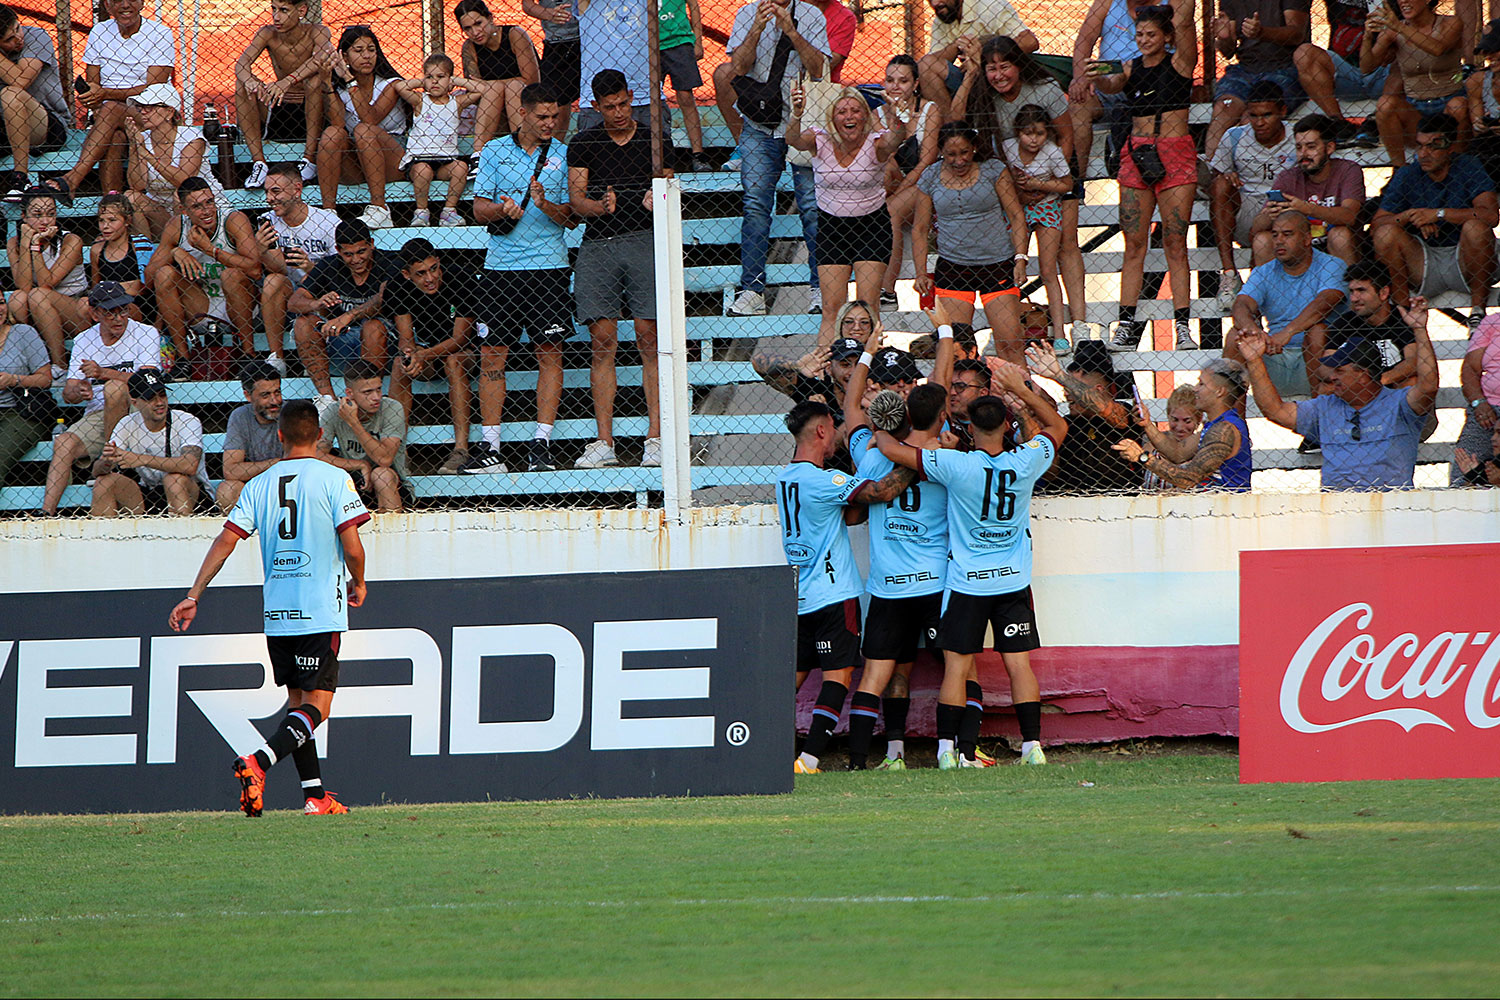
(163, 154)
(123, 56)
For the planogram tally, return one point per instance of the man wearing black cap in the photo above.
(1098, 419)
(894, 369)
(103, 357)
(154, 460)
(821, 374)
(1369, 432)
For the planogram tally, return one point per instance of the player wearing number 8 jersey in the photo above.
(308, 515)
(989, 540)
(811, 501)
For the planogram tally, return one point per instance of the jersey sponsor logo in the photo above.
(904, 527)
(990, 574)
(823, 646)
(288, 616)
(987, 535)
(1017, 628)
(352, 505)
(290, 560)
(309, 661)
(904, 578)
(798, 554)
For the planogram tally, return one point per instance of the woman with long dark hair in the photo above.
(1159, 166)
(1426, 48)
(366, 120)
(917, 152)
(501, 55)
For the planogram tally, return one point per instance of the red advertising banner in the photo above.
(1369, 663)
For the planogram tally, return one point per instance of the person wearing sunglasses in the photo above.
(1369, 432)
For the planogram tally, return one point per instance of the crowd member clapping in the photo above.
(917, 152)
(980, 226)
(854, 225)
(46, 263)
(163, 153)
(1220, 457)
(432, 145)
(1159, 167)
(361, 141)
(1183, 421)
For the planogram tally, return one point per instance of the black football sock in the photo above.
(309, 769)
(295, 730)
(894, 710)
(862, 716)
(1029, 715)
(948, 717)
(973, 717)
(825, 716)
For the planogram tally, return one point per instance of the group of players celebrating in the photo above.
(947, 491)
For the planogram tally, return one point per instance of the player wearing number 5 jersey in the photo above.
(308, 515)
(989, 540)
(811, 501)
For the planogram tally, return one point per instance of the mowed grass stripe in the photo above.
(1165, 877)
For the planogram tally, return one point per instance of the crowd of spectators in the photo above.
(976, 145)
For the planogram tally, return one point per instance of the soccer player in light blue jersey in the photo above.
(989, 538)
(811, 501)
(308, 515)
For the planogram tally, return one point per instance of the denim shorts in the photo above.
(1434, 105)
(1237, 81)
(1350, 84)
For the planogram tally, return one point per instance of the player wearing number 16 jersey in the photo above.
(811, 501)
(308, 515)
(989, 539)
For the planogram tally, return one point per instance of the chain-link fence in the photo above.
(512, 358)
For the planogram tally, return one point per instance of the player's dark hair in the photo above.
(359, 371)
(1266, 92)
(1321, 124)
(803, 414)
(260, 371)
(416, 250)
(537, 93)
(289, 171)
(351, 231)
(299, 422)
(925, 406)
(1372, 271)
(1441, 123)
(8, 19)
(470, 7)
(440, 60)
(989, 413)
(974, 365)
(607, 83)
(192, 185)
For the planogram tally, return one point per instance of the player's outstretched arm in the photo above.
(187, 609)
(887, 488)
(354, 558)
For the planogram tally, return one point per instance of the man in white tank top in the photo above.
(208, 263)
(293, 237)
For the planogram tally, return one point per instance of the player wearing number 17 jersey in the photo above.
(989, 539)
(811, 501)
(308, 516)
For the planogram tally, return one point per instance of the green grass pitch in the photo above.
(1097, 875)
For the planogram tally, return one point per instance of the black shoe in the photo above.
(13, 184)
(1366, 137)
(1344, 131)
(1309, 447)
(539, 456)
(62, 192)
(888, 298)
(482, 459)
(700, 164)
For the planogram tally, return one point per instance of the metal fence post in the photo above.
(671, 349)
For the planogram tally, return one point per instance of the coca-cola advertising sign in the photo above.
(1370, 663)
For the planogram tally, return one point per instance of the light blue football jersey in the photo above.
(989, 513)
(298, 506)
(811, 503)
(908, 535)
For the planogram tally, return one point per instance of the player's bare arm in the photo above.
(886, 488)
(354, 559)
(187, 609)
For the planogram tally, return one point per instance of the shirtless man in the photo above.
(299, 54)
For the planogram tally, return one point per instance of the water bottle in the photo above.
(225, 147)
(59, 426)
(211, 122)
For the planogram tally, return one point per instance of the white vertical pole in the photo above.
(671, 349)
(192, 68)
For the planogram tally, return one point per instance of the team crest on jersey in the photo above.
(839, 480)
(349, 485)
(1033, 443)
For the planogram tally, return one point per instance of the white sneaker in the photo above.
(277, 362)
(326, 405)
(1185, 341)
(377, 217)
(748, 303)
(814, 302)
(733, 164)
(651, 453)
(257, 177)
(596, 455)
(308, 168)
(421, 217)
(450, 217)
(1229, 289)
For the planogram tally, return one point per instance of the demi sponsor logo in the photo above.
(1343, 675)
(797, 553)
(992, 536)
(290, 560)
(905, 527)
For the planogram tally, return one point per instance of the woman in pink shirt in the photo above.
(854, 225)
(1479, 377)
